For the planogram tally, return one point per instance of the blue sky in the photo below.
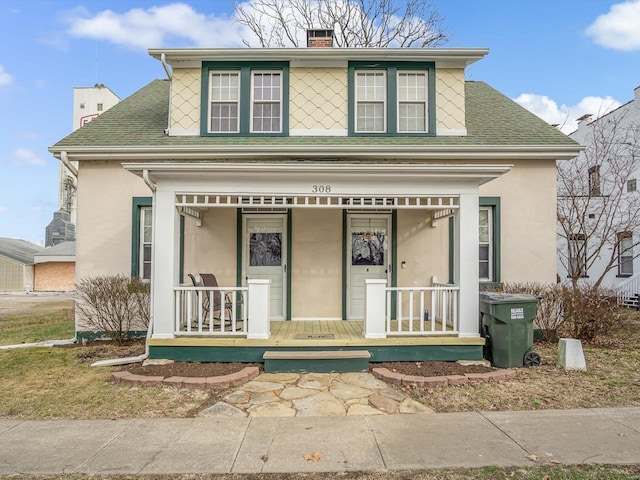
(559, 58)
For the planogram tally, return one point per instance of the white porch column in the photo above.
(165, 266)
(466, 264)
(259, 309)
(375, 301)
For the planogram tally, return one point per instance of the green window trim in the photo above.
(245, 69)
(137, 204)
(494, 204)
(392, 69)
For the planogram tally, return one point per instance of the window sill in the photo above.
(626, 275)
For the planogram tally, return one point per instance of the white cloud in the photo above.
(618, 29)
(174, 24)
(566, 115)
(4, 208)
(26, 157)
(5, 78)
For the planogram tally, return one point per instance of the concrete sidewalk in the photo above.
(253, 445)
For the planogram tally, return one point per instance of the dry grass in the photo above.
(612, 379)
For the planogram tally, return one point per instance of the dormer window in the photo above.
(225, 101)
(392, 99)
(245, 98)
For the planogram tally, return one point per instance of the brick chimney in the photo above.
(317, 38)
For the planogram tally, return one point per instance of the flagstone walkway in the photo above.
(314, 394)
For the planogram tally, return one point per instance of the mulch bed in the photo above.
(197, 369)
(101, 349)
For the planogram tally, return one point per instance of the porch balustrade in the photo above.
(211, 311)
(422, 310)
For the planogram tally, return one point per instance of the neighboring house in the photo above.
(55, 268)
(88, 104)
(345, 199)
(611, 141)
(16, 264)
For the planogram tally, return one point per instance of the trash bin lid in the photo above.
(497, 298)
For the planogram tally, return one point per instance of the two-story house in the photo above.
(345, 198)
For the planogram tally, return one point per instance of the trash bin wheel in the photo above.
(486, 349)
(531, 359)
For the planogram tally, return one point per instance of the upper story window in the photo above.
(631, 185)
(266, 104)
(594, 181)
(224, 101)
(245, 98)
(412, 102)
(391, 98)
(371, 93)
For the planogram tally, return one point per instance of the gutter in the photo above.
(147, 180)
(261, 151)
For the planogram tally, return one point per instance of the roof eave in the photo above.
(420, 152)
(450, 56)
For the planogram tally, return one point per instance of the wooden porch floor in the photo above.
(318, 333)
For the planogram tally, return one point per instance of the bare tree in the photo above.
(599, 219)
(356, 23)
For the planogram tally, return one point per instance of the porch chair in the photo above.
(209, 280)
(206, 299)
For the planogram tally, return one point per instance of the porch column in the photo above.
(466, 264)
(375, 301)
(259, 308)
(165, 264)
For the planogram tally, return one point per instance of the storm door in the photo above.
(264, 256)
(368, 256)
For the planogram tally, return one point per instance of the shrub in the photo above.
(585, 312)
(114, 304)
(590, 311)
(549, 318)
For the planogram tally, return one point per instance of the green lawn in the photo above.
(36, 328)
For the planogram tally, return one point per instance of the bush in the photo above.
(590, 311)
(585, 312)
(549, 318)
(114, 304)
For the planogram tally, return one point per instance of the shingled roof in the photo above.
(141, 119)
(19, 250)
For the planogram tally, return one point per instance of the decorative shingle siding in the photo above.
(450, 95)
(185, 100)
(318, 99)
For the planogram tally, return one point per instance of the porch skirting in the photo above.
(240, 349)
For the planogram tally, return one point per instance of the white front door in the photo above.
(368, 256)
(264, 254)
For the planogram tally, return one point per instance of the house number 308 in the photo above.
(321, 189)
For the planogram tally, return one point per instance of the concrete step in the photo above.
(319, 361)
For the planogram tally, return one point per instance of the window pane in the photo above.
(367, 248)
(412, 87)
(370, 117)
(265, 249)
(411, 117)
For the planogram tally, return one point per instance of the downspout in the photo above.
(147, 180)
(127, 360)
(64, 158)
(163, 59)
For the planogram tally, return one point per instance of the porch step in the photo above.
(319, 361)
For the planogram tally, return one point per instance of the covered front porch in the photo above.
(393, 313)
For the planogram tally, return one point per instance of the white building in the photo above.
(611, 146)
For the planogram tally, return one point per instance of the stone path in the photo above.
(314, 394)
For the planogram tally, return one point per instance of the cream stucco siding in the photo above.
(316, 257)
(105, 192)
(212, 247)
(318, 100)
(528, 209)
(450, 101)
(424, 249)
(185, 101)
